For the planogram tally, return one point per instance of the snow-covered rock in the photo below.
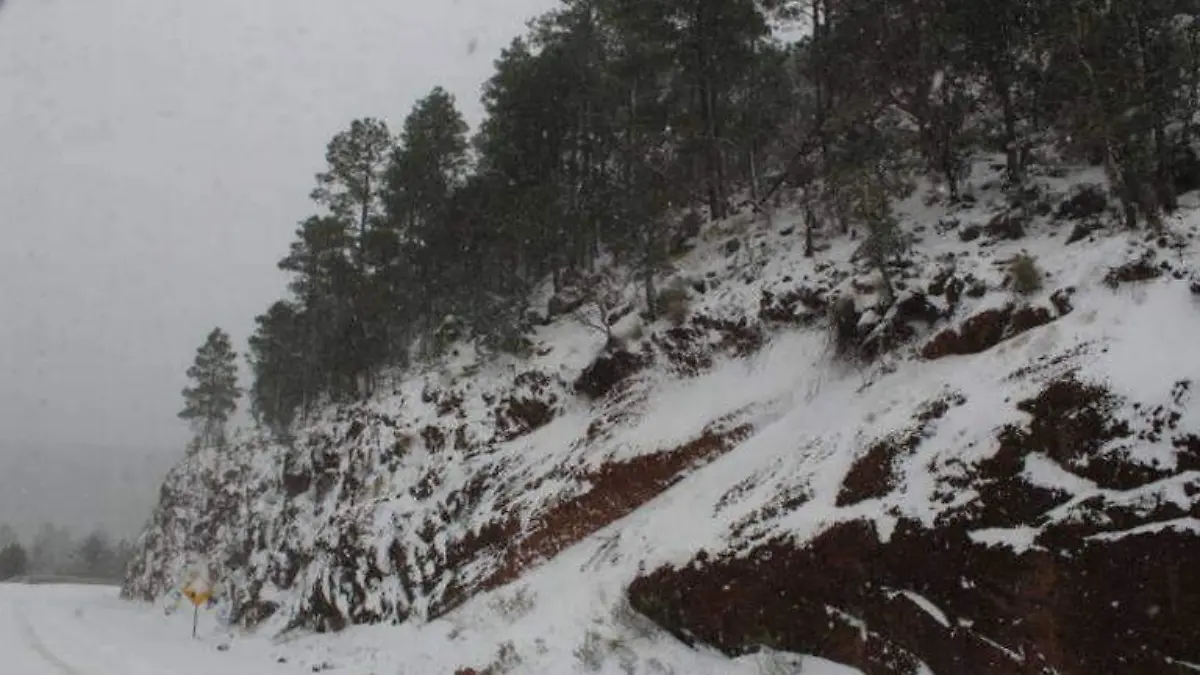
(966, 494)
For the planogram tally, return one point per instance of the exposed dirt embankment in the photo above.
(1125, 606)
(378, 516)
(1024, 579)
(1057, 544)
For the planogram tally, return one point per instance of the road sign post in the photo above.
(198, 590)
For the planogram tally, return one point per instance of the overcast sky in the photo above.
(155, 157)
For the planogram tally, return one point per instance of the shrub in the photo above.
(843, 328)
(606, 372)
(1088, 201)
(1025, 275)
(516, 605)
(636, 332)
(506, 660)
(674, 303)
(596, 649)
(592, 652)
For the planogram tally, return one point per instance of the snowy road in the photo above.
(87, 630)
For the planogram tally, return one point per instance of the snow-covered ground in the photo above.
(88, 630)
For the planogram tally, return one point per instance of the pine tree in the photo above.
(94, 557)
(213, 396)
(711, 46)
(419, 254)
(428, 164)
(7, 535)
(612, 123)
(285, 370)
(13, 561)
(352, 186)
(50, 550)
(334, 262)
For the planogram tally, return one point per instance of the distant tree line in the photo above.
(54, 551)
(615, 126)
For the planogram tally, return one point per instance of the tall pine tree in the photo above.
(212, 398)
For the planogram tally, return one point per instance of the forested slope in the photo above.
(876, 347)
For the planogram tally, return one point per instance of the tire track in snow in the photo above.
(105, 658)
(35, 643)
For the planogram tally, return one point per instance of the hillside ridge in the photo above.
(784, 450)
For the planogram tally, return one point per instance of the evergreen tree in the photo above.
(13, 561)
(334, 266)
(612, 123)
(213, 395)
(429, 163)
(428, 169)
(352, 185)
(7, 535)
(51, 548)
(94, 557)
(284, 366)
(711, 46)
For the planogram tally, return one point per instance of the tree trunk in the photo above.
(949, 166)
(885, 281)
(648, 280)
(707, 90)
(754, 187)
(717, 153)
(1163, 176)
(809, 223)
(364, 216)
(1014, 160)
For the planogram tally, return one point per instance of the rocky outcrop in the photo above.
(987, 329)
(937, 598)
(1021, 579)
(380, 515)
(862, 526)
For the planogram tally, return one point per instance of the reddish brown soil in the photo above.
(516, 417)
(617, 490)
(1061, 609)
(874, 474)
(1070, 606)
(606, 372)
(986, 330)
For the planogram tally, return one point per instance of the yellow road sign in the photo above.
(198, 596)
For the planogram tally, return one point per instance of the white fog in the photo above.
(155, 157)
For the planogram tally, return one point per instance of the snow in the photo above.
(926, 606)
(1042, 471)
(87, 630)
(1190, 666)
(1019, 539)
(810, 418)
(1187, 525)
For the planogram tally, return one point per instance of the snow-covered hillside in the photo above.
(1008, 485)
